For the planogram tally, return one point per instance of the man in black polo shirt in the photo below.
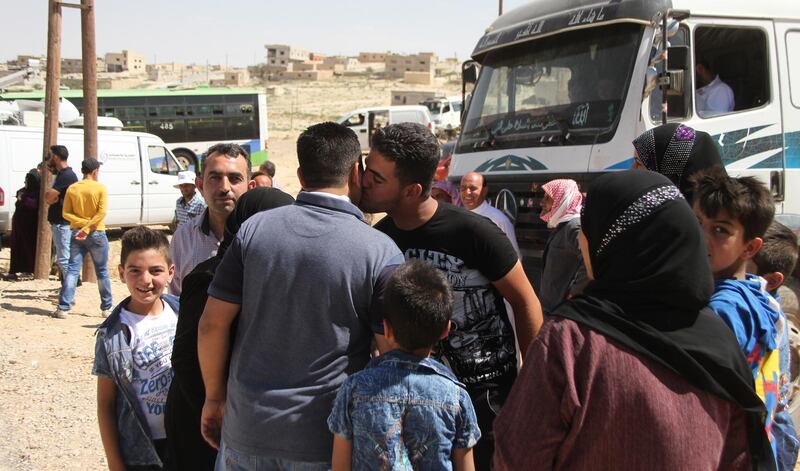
(57, 164)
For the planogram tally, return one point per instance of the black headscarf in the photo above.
(678, 152)
(254, 201)
(187, 393)
(32, 181)
(651, 286)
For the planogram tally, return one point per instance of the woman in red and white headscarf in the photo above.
(563, 273)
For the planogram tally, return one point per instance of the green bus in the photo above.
(189, 121)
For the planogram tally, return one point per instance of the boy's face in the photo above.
(146, 273)
(727, 250)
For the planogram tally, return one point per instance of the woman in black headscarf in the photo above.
(24, 224)
(636, 373)
(187, 392)
(677, 152)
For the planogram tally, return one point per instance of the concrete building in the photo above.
(419, 78)
(237, 78)
(410, 97)
(372, 57)
(21, 62)
(75, 66)
(283, 54)
(398, 64)
(126, 61)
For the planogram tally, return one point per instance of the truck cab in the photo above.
(564, 87)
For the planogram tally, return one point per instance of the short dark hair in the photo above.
(60, 151)
(229, 150)
(418, 303)
(258, 173)
(269, 168)
(326, 153)
(779, 252)
(745, 199)
(144, 238)
(414, 150)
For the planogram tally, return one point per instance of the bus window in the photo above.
(201, 128)
(240, 127)
(161, 161)
(731, 70)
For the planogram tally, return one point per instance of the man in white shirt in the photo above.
(226, 174)
(473, 196)
(713, 95)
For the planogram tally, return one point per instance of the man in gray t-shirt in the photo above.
(305, 282)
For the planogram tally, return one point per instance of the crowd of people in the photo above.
(279, 333)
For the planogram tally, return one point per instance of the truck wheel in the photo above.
(187, 159)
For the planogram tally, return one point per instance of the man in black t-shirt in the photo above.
(475, 255)
(57, 164)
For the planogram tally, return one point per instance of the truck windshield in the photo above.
(566, 89)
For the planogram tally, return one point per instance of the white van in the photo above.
(138, 169)
(564, 87)
(446, 113)
(364, 121)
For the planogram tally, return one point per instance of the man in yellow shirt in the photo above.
(85, 207)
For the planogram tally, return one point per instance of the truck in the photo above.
(446, 114)
(560, 88)
(138, 169)
(364, 121)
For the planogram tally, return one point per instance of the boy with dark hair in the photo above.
(776, 260)
(132, 356)
(735, 214)
(409, 410)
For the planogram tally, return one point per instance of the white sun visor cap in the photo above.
(184, 177)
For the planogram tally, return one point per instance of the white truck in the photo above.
(364, 121)
(566, 85)
(446, 113)
(138, 169)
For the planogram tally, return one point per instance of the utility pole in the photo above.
(500, 8)
(43, 234)
(89, 58)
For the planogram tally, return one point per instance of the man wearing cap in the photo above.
(85, 205)
(190, 204)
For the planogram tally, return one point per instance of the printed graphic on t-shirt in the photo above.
(481, 341)
(151, 348)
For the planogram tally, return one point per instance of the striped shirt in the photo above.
(185, 211)
(191, 244)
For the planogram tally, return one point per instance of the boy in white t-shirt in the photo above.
(132, 356)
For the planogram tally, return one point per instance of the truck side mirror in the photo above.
(469, 72)
(678, 58)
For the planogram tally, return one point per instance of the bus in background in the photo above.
(189, 121)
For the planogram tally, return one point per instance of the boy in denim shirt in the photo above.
(406, 410)
(773, 263)
(132, 357)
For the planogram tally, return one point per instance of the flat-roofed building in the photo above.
(125, 61)
(398, 64)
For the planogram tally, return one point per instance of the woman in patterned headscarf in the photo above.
(635, 373)
(677, 152)
(563, 273)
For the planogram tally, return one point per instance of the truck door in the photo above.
(358, 123)
(787, 38)
(736, 96)
(160, 171)
(121, 173)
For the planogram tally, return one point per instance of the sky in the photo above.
(196, 31)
